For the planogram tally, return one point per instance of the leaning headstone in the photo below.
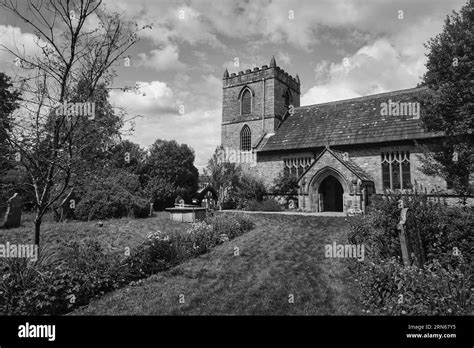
(13, 214)
(68, 206)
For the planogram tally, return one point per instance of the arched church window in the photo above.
(245, 139)
(246, 102)
(287, 99)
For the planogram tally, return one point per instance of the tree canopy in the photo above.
(449, 107)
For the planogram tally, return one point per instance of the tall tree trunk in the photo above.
(37, 228)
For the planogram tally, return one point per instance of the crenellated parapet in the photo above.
(259, 73)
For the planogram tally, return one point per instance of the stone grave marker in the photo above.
(13, 214)
(68, 206)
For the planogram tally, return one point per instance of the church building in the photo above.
(342, 152)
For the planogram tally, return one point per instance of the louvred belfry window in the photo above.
(246, 102)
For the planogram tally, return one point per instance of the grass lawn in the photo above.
(114, 235)
(283, 255)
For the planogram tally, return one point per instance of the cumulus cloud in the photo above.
(375, 68)
(14, 39)
(200, 129)
(158, 105)
(151, 98)
(161, 59)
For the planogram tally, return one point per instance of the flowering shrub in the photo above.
(83, 271)
(203, 237)
(228, 225)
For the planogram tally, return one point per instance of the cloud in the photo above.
(154, 99)
(199, 126)
(200, 129)
(374, 68)
(162, 59)
(283, 58)
(23, 44)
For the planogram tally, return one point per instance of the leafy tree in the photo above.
(8, 103)
(174, 164)
(65, 68)
(248, 189)
(224, 178)
(449, 107)
(162, 193)
(285, 185)
(131, 157)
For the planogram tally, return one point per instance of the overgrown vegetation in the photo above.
(64, 280)
(449, 104)
(439, 241)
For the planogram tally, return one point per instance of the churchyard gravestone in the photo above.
(68, 206)
(13, 214)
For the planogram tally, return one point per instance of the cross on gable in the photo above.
(328, 143)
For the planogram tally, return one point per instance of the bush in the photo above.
(249, 188)
(58, 284)
(84, 272)
(227, 225)
(391, 288)
(140, 207)
(433, 229)
(163, 193)
(154, 255)
(438, 240)
(203, 236)
(246, 224)
(115, 196)
(111, 198)
(286, 185)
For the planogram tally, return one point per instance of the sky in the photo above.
(339, 48)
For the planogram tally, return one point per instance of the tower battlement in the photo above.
(260, 73)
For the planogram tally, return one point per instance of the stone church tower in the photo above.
(254, 104)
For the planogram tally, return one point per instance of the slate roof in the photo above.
(349, 122)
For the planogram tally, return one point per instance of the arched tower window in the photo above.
(287, 98)
(246, 102)
(245, 139)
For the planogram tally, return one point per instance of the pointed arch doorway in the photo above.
(328, 190)
(331, 192)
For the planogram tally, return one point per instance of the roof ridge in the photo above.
(370, 96)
